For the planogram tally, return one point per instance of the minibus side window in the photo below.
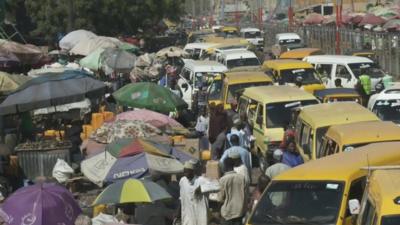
(298, 130)
(342, 72)
(369, 214)
(329, 147)
(306, 140)
(321, 152)
(324, 70)
(356, 191)
(252, 111)
(260, 116)
(243, 103)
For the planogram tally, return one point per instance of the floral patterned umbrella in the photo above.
(124, 129)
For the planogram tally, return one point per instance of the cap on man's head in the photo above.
(236, 120)
(234, 155)
(277, 154)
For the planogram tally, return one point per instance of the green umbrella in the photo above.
(92, 61)
(132, 191)
(129, 47)
(149, 96)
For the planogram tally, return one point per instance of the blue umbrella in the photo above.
(140, 165)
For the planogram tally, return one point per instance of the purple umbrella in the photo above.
(40, 204)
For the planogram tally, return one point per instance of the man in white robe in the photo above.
(193, 202)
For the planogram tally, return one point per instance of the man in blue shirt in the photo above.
(291, 156)
(236, 130)
(236, 148)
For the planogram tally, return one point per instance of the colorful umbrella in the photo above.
(109, 132)
(128, 147)
(9, 83)
(156, 119)
(52, 90)
(92, 147)
(132, 191)
(105, 168)
(149, 96)
(40, 204)
(372, 20)
(96, 167)
(140, 165)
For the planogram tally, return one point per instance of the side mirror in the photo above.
(354, 206)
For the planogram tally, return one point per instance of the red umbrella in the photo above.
(372, 20)
(313, 18)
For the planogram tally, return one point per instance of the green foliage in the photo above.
(104, 17)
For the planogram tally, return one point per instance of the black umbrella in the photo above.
(52, 89)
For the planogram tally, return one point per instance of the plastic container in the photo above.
(97, 120)
(108, 116)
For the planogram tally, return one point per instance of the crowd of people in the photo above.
(230, 138)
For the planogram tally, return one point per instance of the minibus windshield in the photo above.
(299, 202)
(391, 220)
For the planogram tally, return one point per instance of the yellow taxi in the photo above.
(288, 71)
(225, 87)
(269, 110)
(381, 202)
(318, 192)
(346, 137)
(313, 122)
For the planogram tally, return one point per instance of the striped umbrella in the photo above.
(132, 191)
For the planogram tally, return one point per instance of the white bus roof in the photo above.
(249, 29)
(200, 45)
(205, 66)
(237, 54)
(284, 36)
(339, 59)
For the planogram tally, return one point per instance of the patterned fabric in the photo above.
(124, 129)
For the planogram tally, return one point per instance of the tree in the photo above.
(104, 17)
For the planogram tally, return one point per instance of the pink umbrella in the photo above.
(154, 118)
(372, 20)
(356, 19)
(313, 18)
(92, 147)
(346, 18)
